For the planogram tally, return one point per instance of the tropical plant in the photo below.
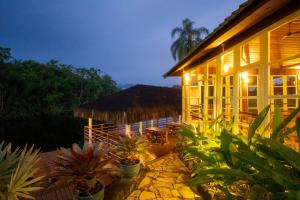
(200, 146)
(189, 37)
(18, 170)
(83, 167)
(256, 167)
(128, 148)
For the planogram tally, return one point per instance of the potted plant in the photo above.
(18, 170)
(84, 167)
(128, 148)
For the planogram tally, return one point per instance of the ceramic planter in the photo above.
(98, 196)
(129, 171)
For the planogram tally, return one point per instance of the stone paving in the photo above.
(165, 180)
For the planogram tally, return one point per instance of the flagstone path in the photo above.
(165, 180)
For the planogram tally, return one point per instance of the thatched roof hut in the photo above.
(138, 103)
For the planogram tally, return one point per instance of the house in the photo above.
(249, 61)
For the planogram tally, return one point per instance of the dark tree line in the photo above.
(37, 100)
(30, 88)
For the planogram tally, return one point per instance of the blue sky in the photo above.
(127, 39)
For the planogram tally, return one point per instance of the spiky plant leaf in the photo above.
(189, 133)
(254, 125)
(277, 118)
(284, 123)
(297, 127)
(287, 153)
(225, 146)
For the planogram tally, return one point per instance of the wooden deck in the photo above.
(61, 193)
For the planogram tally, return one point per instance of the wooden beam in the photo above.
(264, 25)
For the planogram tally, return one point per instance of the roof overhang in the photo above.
(249, 14)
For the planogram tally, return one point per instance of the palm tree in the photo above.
(189, 38)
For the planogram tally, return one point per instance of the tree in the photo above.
(4, 54)
(30, 88)
(188, 38)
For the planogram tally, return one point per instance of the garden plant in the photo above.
(253, 166)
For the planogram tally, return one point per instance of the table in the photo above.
(157, 135)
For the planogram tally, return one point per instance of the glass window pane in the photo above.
(253, 111)
(210, 91)
(277, 81)
(291, 102)
(210, 103)
(278, 91)
(223, 91)
(252, 91)
(291, 80)
(252, 103)
(278, 102)
(291, 90)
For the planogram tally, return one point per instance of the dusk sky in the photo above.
(127, 39)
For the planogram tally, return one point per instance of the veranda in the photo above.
(246, 74)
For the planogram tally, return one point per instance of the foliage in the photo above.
(83, 167)
(128, 147)
(4, 54)
(18, 170)
(253, 167)
(199, 147)
(31, 88)
(189, 38)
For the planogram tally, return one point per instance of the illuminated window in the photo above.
(227, 63)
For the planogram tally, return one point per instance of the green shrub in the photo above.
(252, 167)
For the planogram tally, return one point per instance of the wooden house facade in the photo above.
(249, 61)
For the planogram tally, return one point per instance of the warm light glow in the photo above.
(187, 78)
(243, 63)
(244, 76)
(294, 67)
(226, 68)
(299, 75)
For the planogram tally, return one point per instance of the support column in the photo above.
(264, 76)
(141, 128)
(264, 71)
(183, 96)
(205, 98)
(90, 130)
(235, 103)
(151, 123)
(128, 130)
(219, 86)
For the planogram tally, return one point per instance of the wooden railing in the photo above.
(108, 134)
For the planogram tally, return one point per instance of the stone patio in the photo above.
(166, 179)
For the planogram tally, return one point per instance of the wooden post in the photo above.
(141, 128)
(151, 123)
(183, 96)
(235, 103)
(127, 130)
(264, 75)
(205, 99)
(179, 119)
(90, 130)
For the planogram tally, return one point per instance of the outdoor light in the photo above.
(244, 76)
(187, 78)
(226, 68)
